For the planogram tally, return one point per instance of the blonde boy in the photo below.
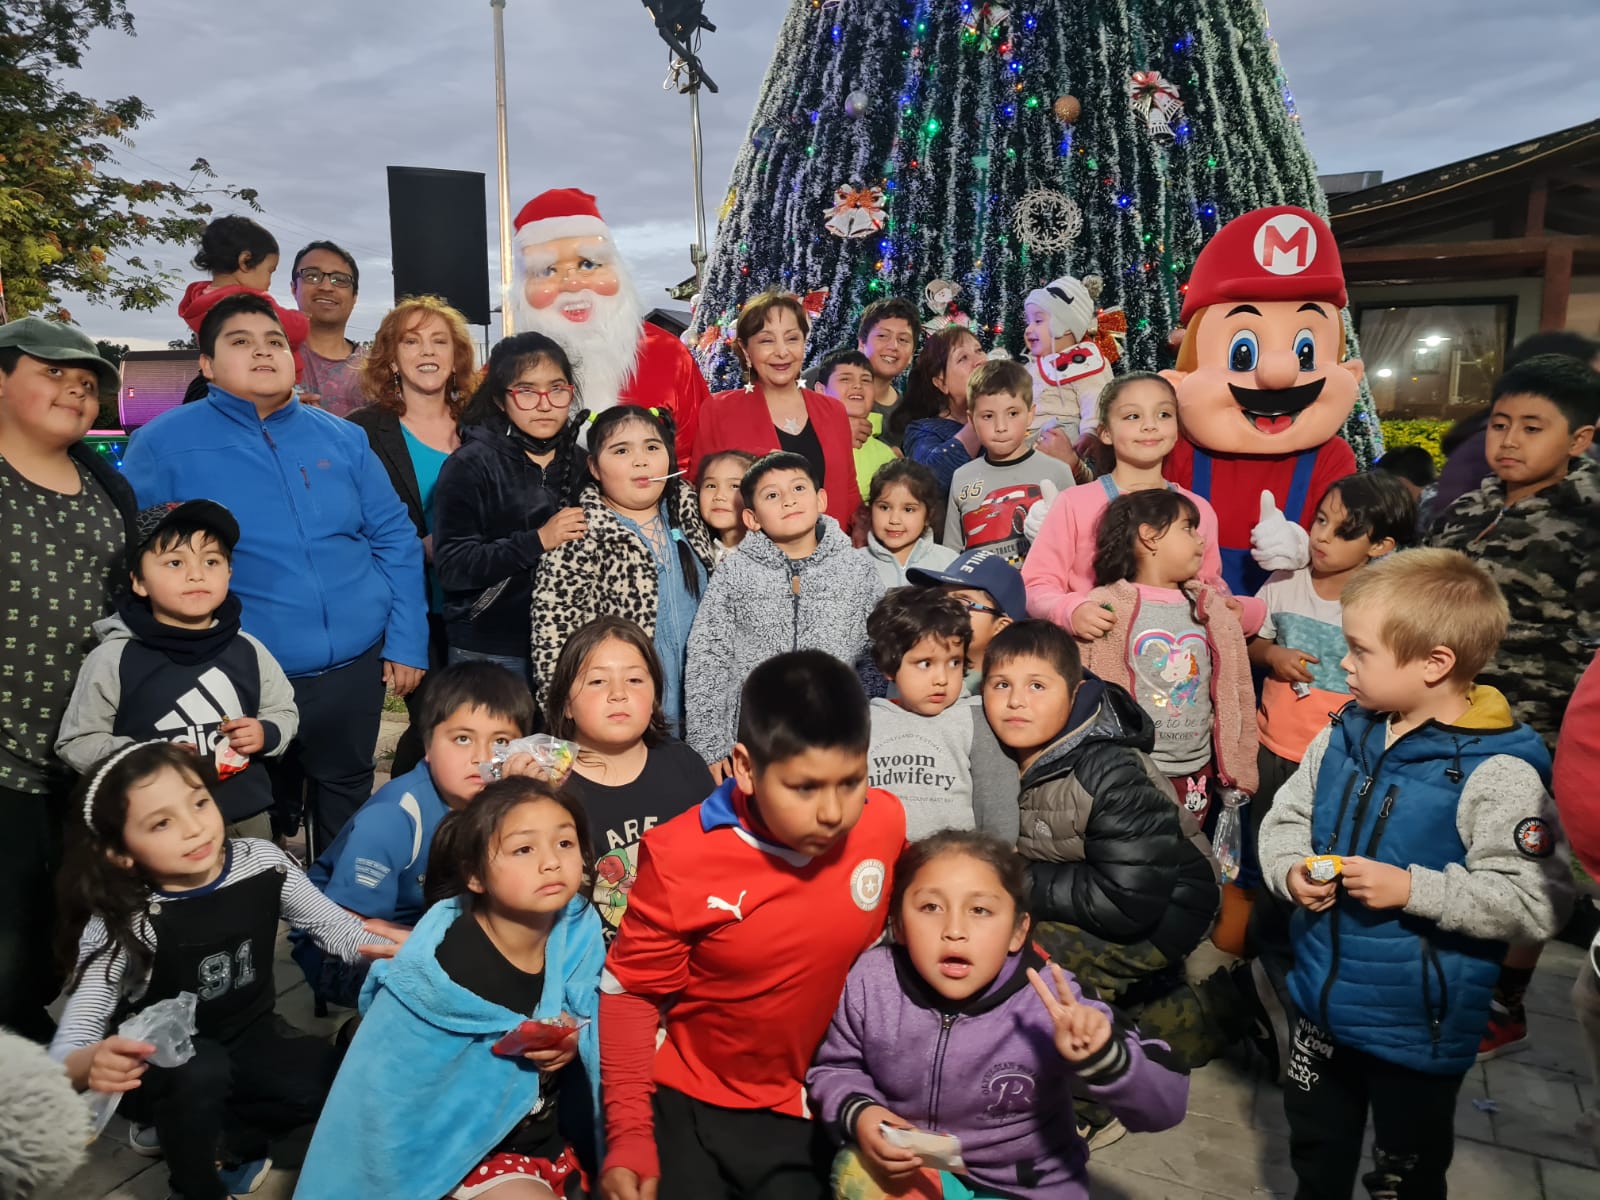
(1419, 838)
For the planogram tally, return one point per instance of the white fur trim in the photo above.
(550, 228)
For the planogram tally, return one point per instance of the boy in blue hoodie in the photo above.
(1417, 838)
(376, 866)
(328, 565)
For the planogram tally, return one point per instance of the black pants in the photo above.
(409, 750)
(230, 1098)
(327, 770)
(30, 856)
(711, 1153)
(1327, 1096)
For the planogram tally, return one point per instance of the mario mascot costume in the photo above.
(1264, 387)
(573, 286)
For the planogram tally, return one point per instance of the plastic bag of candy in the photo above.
(552, 754)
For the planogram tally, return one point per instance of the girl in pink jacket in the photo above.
(1139, 421)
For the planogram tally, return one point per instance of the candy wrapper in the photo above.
(1324, 868)
(940, 1151)
(551, 753)
(168, 1025)
(229, 761)
(1227, 840)
(537, 1035)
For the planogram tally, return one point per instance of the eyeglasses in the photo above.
(312, 276)
(558, 395)
(974, 606)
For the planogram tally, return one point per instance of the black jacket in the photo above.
(1110, 849)
(388, 442)
(488, 505)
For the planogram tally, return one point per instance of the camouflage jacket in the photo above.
(1544, 552)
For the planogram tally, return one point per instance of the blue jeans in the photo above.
(522, 668)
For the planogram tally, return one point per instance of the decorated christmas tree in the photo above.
(960, 154)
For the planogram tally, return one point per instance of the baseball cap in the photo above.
(984, 569)
(52, 341)
(207, 514)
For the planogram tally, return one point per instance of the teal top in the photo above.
(425, 462)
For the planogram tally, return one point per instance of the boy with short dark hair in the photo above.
(376, 866)
(992, 592)
(846, 375)
(66, 520)
(746, 914)
(1419, 838)
(1535, 527)
(887, 336)
(173, 664)
(794, 583)
(990, 496)
(930, 746)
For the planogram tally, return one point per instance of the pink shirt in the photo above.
(1059, 569)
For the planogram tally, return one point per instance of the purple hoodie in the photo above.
(987, 1070)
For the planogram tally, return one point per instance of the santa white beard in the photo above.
(603, 348)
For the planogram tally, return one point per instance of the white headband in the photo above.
(100, 777)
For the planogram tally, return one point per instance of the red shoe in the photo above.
(1503, 1036)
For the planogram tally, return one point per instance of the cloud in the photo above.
(309, 104)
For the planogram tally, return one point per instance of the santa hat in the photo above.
(1279, 253)
(1070, 303)
(559, 213)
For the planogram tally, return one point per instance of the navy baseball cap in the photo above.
(207, 514)
(986, 570)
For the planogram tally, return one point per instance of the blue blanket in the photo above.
(422, 1098)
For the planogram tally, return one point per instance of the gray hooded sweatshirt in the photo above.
(760, 602)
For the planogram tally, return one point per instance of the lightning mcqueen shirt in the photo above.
(988, 501)
(748, 944)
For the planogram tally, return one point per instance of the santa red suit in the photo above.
(573, 287)
(1264, 387)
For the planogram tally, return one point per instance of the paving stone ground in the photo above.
(1517, 1134)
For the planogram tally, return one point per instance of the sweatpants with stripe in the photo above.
(712, 1153)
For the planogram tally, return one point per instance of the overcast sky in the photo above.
(308, 103)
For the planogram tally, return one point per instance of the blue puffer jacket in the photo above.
(1386, 981)
(328, 563)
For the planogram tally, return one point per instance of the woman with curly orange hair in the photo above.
(418, 375)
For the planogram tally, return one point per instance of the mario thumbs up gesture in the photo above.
(1264, 386)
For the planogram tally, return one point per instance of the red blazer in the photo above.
(739, 420)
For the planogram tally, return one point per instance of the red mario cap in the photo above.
(1279, 253)
(558, 213)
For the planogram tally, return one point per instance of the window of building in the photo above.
(1434, 360)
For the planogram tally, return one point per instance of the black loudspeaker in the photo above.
(439, 237)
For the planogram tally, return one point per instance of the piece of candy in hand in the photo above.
(1324, 868)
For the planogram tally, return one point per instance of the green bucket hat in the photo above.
(58, 343)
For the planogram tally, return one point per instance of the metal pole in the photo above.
(499, 7)
(697, 253)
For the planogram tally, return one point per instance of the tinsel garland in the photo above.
(957, 127)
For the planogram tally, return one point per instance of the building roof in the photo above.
(1494, 188)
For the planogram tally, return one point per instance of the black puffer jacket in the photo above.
(488, 505)
(1110, 849)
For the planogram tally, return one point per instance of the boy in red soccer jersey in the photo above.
(745, 917)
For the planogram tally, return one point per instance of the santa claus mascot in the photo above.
(572, 286)
(1264, 386)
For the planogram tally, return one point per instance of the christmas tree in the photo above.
(994, 147)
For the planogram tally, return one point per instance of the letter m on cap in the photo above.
(1286, 244)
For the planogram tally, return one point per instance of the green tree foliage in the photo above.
(68, 221)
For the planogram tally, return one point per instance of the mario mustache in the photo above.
(1273, 411)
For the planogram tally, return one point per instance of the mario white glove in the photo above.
(1277, 543)
(1039, 510)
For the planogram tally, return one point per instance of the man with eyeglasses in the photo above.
(326, 281)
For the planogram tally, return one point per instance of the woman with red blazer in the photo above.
(774, 412)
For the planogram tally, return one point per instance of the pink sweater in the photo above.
(1059, 569)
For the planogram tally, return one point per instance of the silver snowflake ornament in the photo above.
(1047, 220)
